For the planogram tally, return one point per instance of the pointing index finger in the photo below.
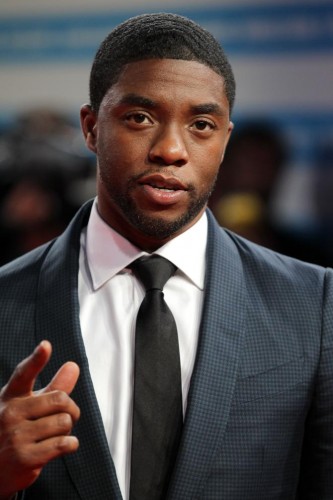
(23, 379)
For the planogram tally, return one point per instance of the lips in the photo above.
(158, 190)
(164, 183)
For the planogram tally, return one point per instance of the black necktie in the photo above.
(157, 406)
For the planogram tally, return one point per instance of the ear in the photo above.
(228, 134)
(88, 119)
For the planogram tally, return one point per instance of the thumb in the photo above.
(65, 379)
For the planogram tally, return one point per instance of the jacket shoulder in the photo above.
(25, 267)
(274, 265)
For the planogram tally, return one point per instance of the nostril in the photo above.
(168, 158)
(162, 162)
(169, 148)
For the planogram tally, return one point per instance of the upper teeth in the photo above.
(163, 188)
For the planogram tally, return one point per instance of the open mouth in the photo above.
(163, 191)
(162, 188)
(167, 184)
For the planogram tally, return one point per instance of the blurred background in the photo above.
(276, 184)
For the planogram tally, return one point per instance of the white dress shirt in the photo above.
(110, 296)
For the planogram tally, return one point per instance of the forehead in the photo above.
(169, 79)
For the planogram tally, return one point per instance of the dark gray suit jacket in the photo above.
(259, 421)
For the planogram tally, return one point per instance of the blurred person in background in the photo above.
(42, 171)
(247, 182)
(246, 187)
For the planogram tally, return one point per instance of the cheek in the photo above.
(120, 152)
(208, 164)
(205, 179)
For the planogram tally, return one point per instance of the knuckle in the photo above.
(8, 414)
(20, 370)
(64, 422)
(77, 413)
(61, 444)
(14, 438)
(59, 399)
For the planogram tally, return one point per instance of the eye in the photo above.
(138, 118)
(203, 126)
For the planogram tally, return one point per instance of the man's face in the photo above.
(159, 136)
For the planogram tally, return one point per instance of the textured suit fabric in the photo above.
(259, 421)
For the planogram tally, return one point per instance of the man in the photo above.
(255, 329)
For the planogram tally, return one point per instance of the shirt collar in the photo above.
(108, 253)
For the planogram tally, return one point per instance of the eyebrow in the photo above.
(208, 108)
(198, 109)
(138, 100)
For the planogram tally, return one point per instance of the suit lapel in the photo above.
(215, 371)
(57, 319)
(213, 380)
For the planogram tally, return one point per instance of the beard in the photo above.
(153, 225)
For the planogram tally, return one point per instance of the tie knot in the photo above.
(153, 272)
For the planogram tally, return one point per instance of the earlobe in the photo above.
(89, 126)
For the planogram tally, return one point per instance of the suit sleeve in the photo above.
(316, 475)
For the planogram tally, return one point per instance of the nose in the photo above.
(168, 147)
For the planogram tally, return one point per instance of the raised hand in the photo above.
(35, 427)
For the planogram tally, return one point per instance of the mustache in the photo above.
(135, 179)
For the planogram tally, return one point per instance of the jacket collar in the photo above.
(57, 319)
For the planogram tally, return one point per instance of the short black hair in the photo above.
(156, 36)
